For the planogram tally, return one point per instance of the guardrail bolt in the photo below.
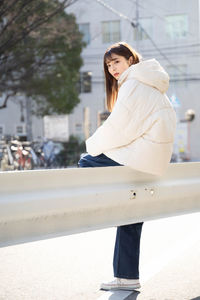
(152, 191)
(133, 194)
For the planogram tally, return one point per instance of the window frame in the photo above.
(174, 35)
(83, 88)
(23, 129)
(86, 37)
(110, 38)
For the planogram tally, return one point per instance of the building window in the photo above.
(85, 30)
(20, 130)
(85, 82)
(144, 29)
(176, 26)
(111, 31)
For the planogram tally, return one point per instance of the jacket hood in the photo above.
(148, 72)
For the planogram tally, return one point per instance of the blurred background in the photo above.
(52, 93)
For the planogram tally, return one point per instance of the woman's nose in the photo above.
(113, 68)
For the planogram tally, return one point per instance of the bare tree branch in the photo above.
(4, 105)
(39, 41)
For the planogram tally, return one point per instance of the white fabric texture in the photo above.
(139, 132)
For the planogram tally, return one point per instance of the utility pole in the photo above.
(28, 119)
(137, 24)
(86, 122)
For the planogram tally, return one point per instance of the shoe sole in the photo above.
(125, 288)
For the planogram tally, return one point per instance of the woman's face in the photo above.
(117, 65)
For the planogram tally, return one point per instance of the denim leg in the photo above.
(96, 161)
(127, 251)
(127, 245)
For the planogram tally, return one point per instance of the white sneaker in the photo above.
(121, 284)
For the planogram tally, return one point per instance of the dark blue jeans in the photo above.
(127, 244)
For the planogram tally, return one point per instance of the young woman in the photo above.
(139, 133)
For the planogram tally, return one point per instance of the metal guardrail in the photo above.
(48, 203)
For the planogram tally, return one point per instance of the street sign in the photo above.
(175, 101)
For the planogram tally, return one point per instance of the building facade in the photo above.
(17, 120)
(169, 33)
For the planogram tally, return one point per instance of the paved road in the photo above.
(72, 267)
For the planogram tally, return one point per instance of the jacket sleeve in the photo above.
(113, 133)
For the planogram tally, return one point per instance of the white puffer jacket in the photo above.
(139, 132)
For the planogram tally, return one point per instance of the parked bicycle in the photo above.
(25, 155)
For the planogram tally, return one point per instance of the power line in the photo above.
(179, 46)
(140, 5)
(191, 53)
(116, 12)
(167, 11)
(167, 48)
(160, 7)
(138, 25)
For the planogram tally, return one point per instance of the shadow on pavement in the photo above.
(133, 296)
(197, 298)
(121, 296)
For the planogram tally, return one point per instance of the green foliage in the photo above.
(71, 152)
(40, 47)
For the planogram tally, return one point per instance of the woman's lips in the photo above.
(116, 74)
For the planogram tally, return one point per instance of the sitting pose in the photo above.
(139, 133)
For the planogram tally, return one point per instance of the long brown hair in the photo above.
(122, 49)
